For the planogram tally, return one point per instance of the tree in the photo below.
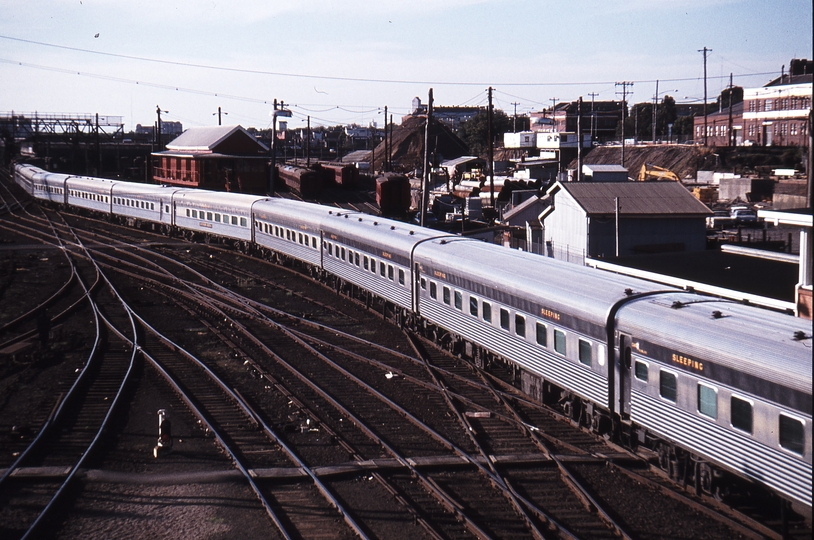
(666, 115)
(475, 131)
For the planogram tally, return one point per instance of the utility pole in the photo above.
(514, 122)
(389, 163)
(705, 51)
(158, 112)
(593, 115)
(386, 153)
(729, 132)
(277, 112)
(219, 113)
(655, 109)
(491, 164)
(553, 105)
(425, 196)
(308, 143)
(579, 139)
(624, 85)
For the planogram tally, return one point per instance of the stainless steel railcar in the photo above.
(723, 381)
(714, 383)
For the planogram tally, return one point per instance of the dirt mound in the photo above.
(684, 161)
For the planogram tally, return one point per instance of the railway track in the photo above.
(424, 439)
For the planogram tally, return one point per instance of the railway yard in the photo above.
(289, 410)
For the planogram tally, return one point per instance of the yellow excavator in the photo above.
(650, 172)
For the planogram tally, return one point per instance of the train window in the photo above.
(640, 370)
(244, 222)
(209, 216)
(167, 208)
(390, 272)
(741, 414)
(423, 284)
(234, 221)
(187, 212)
(152, 205)
(314, 242)
(446, 295)
(707, 401)
(519, 325)
(356, 258)
(487, 312)
(342, 256)
(299, 237)
(288, 234)
(668, 385)
(433, 290)
(542, 335)
(365, 262)
(401, 276)
(373, 265)
(473, 306)
(504, 318)
(792, 434)
(381, 269)
(330, 249)
(584, 352)
(217, 218)
(559, 341)
(459, 300)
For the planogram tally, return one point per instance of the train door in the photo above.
(624, 367)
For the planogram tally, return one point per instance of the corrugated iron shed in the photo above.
(635, 198)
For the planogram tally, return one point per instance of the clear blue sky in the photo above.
(343, 61)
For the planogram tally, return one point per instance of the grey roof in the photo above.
(207, 139)
(642, 198)
(356, 156)
(605, 168)
(527, 210)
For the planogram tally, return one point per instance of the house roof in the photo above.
(527, 210)
(209, 139)
(635, 198)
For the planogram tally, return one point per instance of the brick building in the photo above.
(777, 114)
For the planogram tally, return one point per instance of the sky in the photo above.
(343, 61)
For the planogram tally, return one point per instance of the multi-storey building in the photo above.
(778, 113)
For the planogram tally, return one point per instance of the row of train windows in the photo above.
(484, 309)
(363, 261)
(49, 189)
(289, 234)
(89, 196)
(134, 203)
(217, 217)
(791, 432)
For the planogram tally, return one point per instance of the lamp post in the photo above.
(285, 113)
(656, 107)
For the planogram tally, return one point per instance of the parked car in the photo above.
(743, 216)
(719, 219)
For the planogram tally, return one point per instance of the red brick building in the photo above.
(719, 125)
(220, 158)
(777, 114)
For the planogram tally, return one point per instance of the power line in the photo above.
(350, 79)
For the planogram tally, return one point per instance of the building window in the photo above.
(559, 341)
(741, 414)
(542, 335)
(640, 370)
(585, 352)
(707, 401)
(668, 385)
(791, 434)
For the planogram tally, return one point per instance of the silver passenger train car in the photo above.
(710, 384)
